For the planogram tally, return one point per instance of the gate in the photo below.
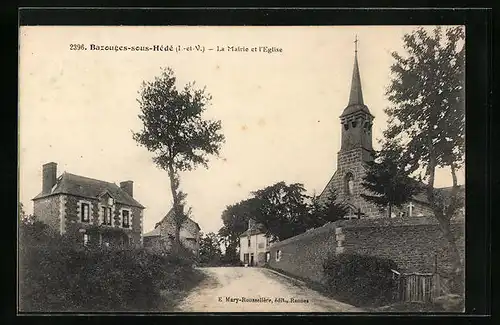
(417, 287)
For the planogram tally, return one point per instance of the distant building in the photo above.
(162, 237)
(89, 210)
(254, 245)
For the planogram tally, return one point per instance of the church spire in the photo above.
(356, 95)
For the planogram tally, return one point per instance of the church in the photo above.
(355, 151)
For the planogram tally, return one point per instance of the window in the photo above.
(248, 239)
(278, 255)
(86, 239)
(85, 212)
(349, 184)
(125, 219)
(346, 126)
(354, 123)
(107, 216)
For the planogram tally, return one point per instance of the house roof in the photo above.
(153, 233)
(89, 188)
(257, 229)
(170, 214)
(446, 191)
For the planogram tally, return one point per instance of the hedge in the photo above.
(55, 276)
(360, 280)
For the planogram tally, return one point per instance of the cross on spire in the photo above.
(356, 94)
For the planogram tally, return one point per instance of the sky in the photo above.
(279, 111)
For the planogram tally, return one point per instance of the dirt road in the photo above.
(240, 289)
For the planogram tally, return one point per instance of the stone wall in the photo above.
(350, 162)
(188, 230)
(51, 209)
(413, 243)
(47, 210)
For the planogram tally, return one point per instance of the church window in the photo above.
(346, 126)
(349, 184)
(354, 123)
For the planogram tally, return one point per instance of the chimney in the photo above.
(128, 187)
(251, 223)
(49, 177)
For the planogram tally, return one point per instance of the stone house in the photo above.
(91, 211)
(254, 245)
(161, 238)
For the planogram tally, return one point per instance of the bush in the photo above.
(360, 280)
(54, 276)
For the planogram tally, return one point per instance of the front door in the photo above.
(251, 260)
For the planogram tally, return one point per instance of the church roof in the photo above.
(356, 102)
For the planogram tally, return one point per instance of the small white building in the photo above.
(254, 245)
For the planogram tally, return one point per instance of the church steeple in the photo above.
(356, 102)
(356, 95)
(356, 118)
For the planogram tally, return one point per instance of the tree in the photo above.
(235, 222)
(427, 113)
(210, 251)
(388, 181)
(327, 211)
(175, 132)
(282, 209)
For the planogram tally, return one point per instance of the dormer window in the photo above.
(107, 216)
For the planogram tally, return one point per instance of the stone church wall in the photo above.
(351, 162)
(413, 243)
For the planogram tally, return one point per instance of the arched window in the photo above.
(346, 126)
(354, 123)
(349, 184)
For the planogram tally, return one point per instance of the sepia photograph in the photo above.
(214, 169)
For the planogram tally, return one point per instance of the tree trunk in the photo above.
(176, 209)
(389, 210)
(442, 215)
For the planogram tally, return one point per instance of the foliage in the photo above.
(235, 222)
(387, 179)
(175, 131)
(330, 210)
(360, 279)
(283, 210)
(56, 276)
(210, 250)
(427, 114)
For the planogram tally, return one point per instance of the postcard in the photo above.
(298, 169)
